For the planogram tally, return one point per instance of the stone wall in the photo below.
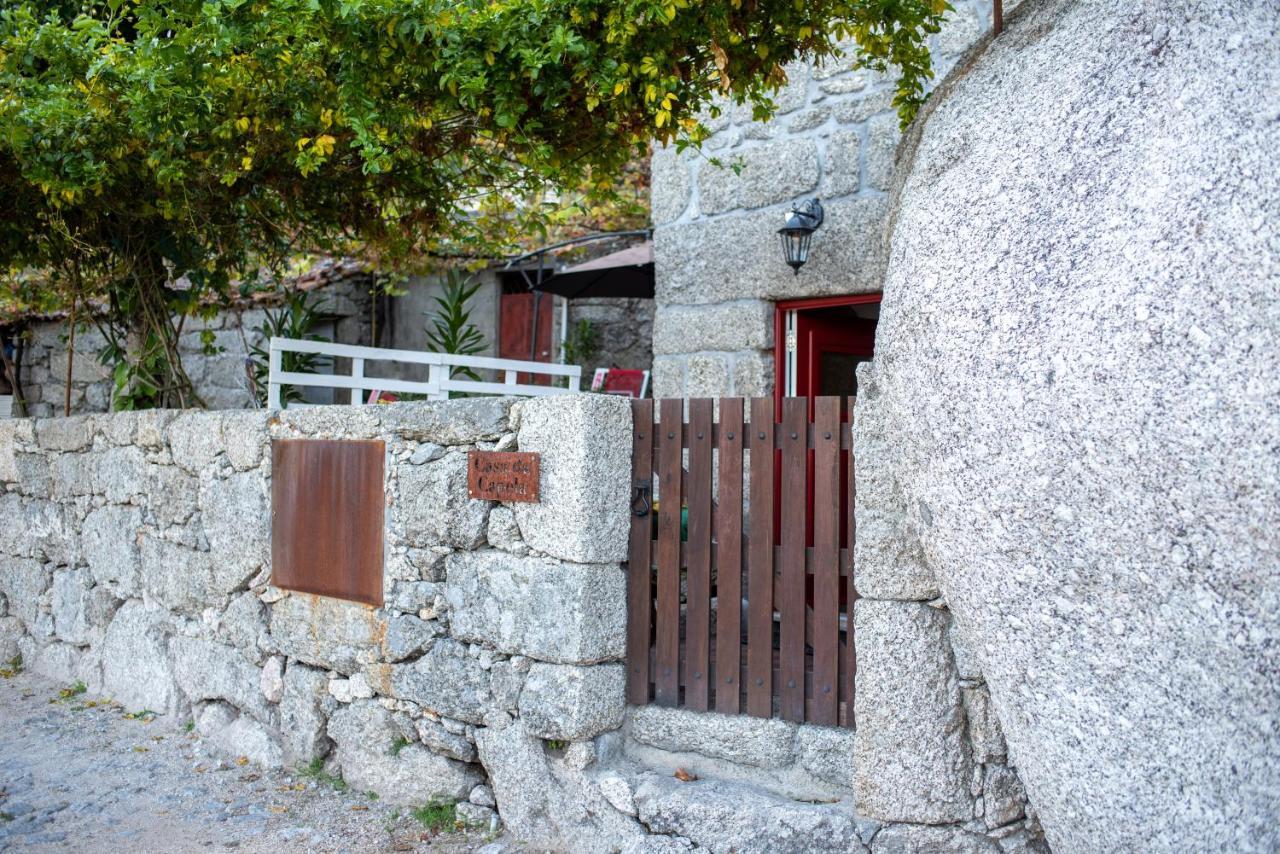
(624, 333)
(216, 366)
(718, 259)
(624, 330)
(137, 560)
(135, 557)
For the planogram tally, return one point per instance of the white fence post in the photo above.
(357, 373)
(274, 363)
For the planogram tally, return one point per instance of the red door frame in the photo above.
(780, 383)
(780, 334)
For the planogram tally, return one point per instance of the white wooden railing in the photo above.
(440, 367)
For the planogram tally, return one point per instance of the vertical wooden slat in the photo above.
(792, 607)
(760, 563)
(667, 646)
(729, 558)
(826, 561)
(640, 569)
(851, 594)
(698, 615)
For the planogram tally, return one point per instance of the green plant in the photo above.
(13, 669)
(315, 771)
(296, 318)
(450, 329)
(555, 744)
(137, 382)
(73, 690)
(189, 726)
(399, 744)
(581, 345)
(437, 816)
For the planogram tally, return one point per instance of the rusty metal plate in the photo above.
(327, 507)
(503, 475)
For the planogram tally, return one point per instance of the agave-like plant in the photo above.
(297, 318)
(449, 328)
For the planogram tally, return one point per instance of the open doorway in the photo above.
(820, 343)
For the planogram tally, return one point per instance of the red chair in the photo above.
(621, 381)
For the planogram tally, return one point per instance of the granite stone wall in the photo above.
(135, 557)
(213, 353)
(718, 259)
(624, 333)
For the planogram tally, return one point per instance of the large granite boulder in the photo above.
(1078, 374)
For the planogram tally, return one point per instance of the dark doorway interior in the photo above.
(820, 343)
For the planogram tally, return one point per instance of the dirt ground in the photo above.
(80, 773)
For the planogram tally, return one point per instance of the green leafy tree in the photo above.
(154, 152)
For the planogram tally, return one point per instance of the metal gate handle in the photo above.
(640, 499)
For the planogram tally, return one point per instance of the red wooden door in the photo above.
(516, 330)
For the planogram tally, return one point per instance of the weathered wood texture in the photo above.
(743, 606)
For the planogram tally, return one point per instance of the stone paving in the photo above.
(79, 773)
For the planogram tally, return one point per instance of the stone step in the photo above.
(722, 816)
(797, 762)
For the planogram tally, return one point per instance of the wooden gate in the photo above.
(740, 584)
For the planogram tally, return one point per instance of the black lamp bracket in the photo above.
(811, 212)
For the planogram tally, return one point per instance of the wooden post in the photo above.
(851, 593)
(274, 366)
(728, 520)
(357, 373)
(791, 607)
(698, 578)
(826, 561)
(666, 675)
(760, 563)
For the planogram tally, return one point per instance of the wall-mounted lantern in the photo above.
(802, 222)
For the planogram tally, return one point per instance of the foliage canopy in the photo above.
(146, 140)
